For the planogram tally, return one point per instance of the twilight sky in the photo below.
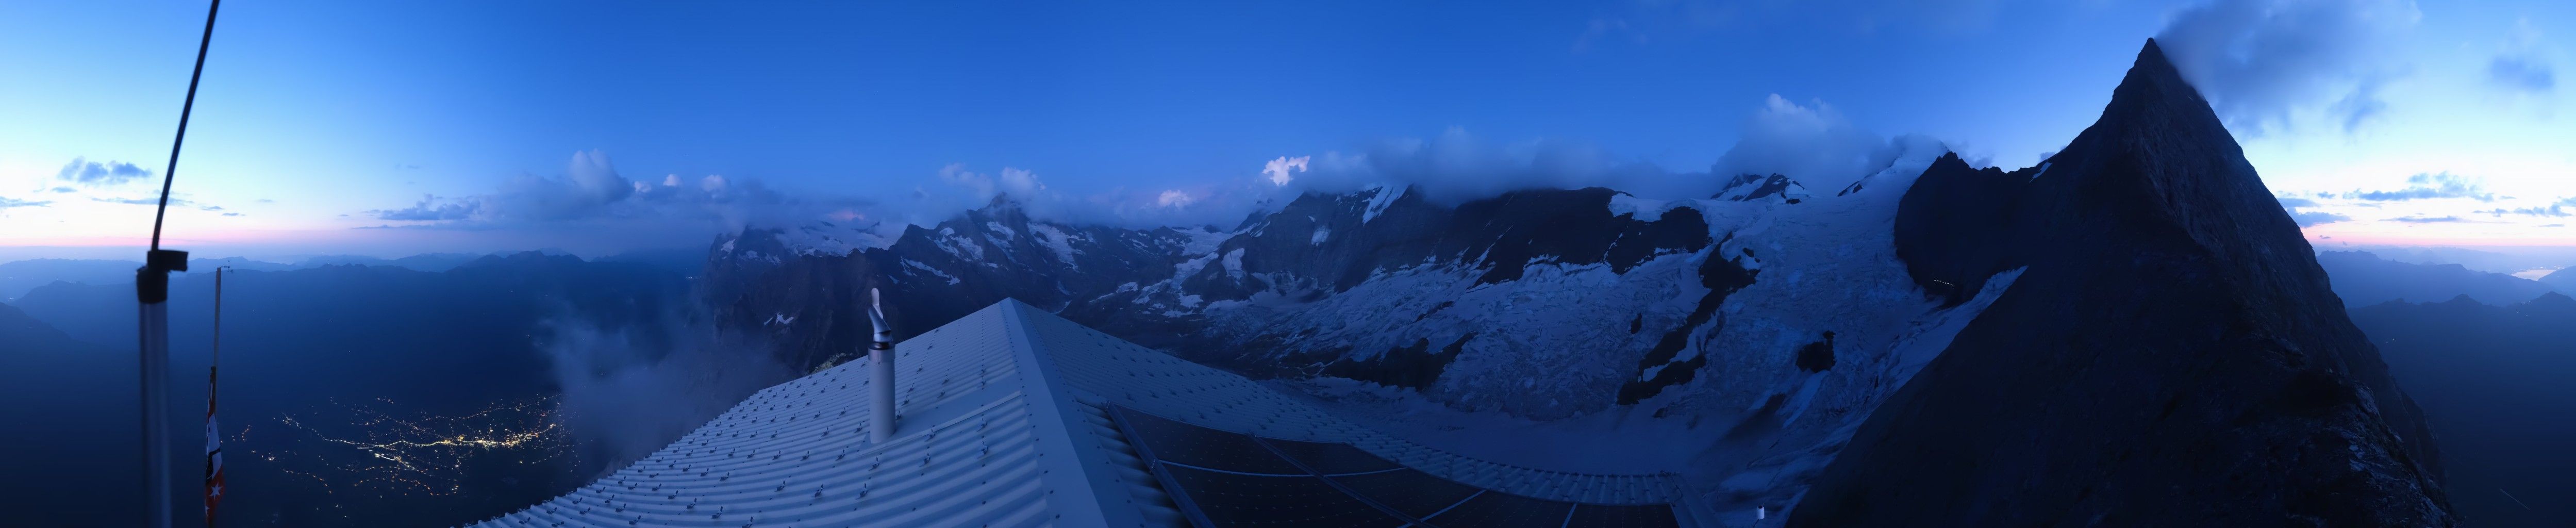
(397, 128)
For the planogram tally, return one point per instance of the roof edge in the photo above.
(1088, 497)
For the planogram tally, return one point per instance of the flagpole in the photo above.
(152, 292)
(214, 435)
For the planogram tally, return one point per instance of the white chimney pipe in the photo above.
(880, 373)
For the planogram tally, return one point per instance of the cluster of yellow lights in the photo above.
(427, 455)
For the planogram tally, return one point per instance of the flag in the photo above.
(214, 452)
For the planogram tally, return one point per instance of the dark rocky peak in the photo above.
(2170, 341)
(1750, 187)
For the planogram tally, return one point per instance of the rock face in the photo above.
(2170, 355)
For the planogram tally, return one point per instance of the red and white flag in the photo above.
(214, 452)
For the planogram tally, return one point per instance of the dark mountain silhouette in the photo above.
(2362, 279)
(2171, 356)
(72, 448)
(2494, 382)
(347, 352)
(18, 277)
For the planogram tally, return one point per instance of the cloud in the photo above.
(2428, 186)
(2554, 209)
(2522, 73)
(2550, 210)
(1813, 144)
(2308, 218)
(2426, 219)
(2315, 218)
(1278, 170)
(1810, 142)
(2521, 67)
(65, 190)
(629, 389)
(8, 203)
(2259, 61)
(430, 208)
(92, 173)
(591, 190)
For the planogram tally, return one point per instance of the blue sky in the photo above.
(395, 128)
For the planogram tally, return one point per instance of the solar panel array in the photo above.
(1226, 479)
(1102, 371)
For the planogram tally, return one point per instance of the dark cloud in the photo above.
(2426, 219)
(86, 172)
(8, 203)
(2522, 73)
(2258, 61)
(2521, 67)
(430, 208)
(2429, 186)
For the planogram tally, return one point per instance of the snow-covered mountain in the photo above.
(1759, 327)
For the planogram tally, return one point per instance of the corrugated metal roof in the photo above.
(1005, 423)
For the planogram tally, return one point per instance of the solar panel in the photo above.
(1412, 492)
(1504, 510)
(1601, 516)
(1176, 442)
(1331, 459)
(1223, 479)
(1232, 499)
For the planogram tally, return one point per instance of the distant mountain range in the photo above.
(2099, 337)
(2362, 279)
(2493, 378)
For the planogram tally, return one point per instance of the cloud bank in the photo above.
(2260, 61)
(628, 391)
(591, 190)
(2429, 186)
(2308, 218)
(6, 203)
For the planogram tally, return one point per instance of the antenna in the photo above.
(880, 373)
(152, 291)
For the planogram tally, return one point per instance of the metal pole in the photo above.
(155, 364)
(152, 291)
(880, 373)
